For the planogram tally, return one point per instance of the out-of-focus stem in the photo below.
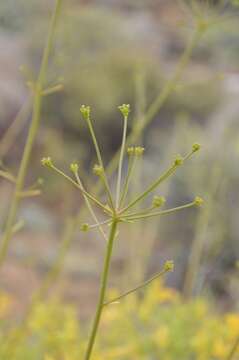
(14, 129)
(200, 234)
(37, 105)
(161, 99)
(233, 350)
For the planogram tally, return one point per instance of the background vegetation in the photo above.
(107, 53)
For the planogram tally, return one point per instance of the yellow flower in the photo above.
(200, 308)
(167, 295)
(232, 324)
(5, 304)
(220, 350)
(162, 336)
(48, 357)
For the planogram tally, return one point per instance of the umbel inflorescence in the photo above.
(118, 208)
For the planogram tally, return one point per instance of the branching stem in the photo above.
(145, 283)
(104, 280)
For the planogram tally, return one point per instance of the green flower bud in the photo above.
(46, 161)
(178, 161)
(98, 170)
(196, 147)
(74, 168)
(85, 111)
(124, 109)
(138, 150)
(198, 201)
(158, 201)
(168, 265)
(85, 227)
(130, 151)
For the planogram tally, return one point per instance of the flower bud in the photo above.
(138, 150)
(85, 111)
(124, 109)
(158, 201)
(46, 161)
(178, 161)
(74, 168)
(130, 151)
(85, 227)
(168, 265)
(196, 147)
(198, 201)
(98, 170)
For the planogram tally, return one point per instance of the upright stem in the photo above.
(100, 161)
(104, 280)
(15, 128)
(200, 238)
(234, 349)
(160, 100)
(121, 158)
(37, 105)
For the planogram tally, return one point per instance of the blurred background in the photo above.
(109, 52)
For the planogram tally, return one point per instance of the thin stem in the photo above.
(14, 129)
(91, 210)
(99, 224)
(200, 233)
(37, 106)
(158, 213)
(84, 192)
(143, 212)
(121, 158)
(131, 166)
(155, 184)
(100, 160)
(151, 188)
(233, 350)
(104, 280)
(160, 100)
(6, 175)
(145, 283)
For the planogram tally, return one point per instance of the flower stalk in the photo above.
(105, 274)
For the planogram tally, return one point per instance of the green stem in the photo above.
(14, 129)
(37, 105)
(155, 184)
(131, 166)
(145, 283)
(158, 213)
(161, 98)
(104, 280)
(90, 208)
(84, 192)
(232, 352)
(151, 188)
(100, 161)
(121, 158)
(200, 233)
